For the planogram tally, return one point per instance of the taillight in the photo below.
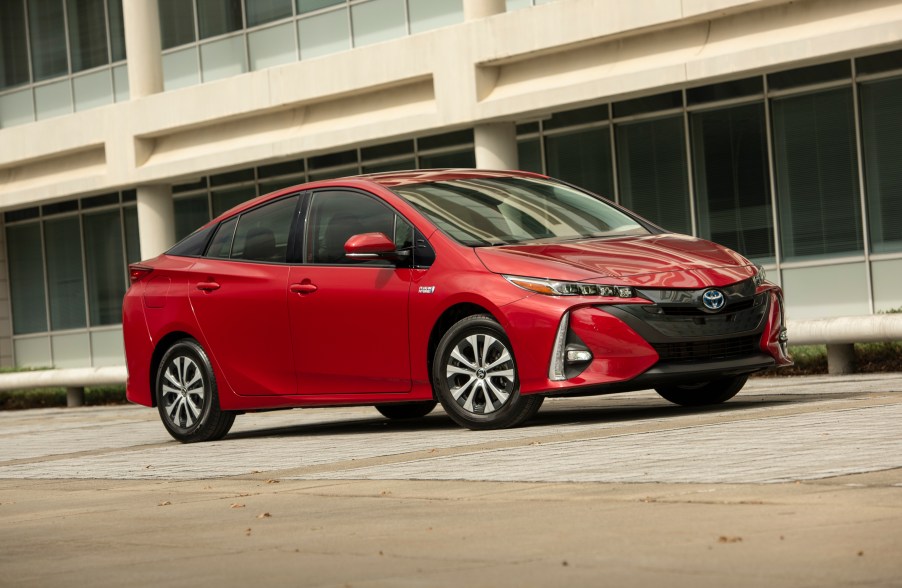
(136, 273)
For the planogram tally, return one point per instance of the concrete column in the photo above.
(142, 45)
(496, 146)
(840, 359)
(474, 9)
(75, 397)
(156, 220)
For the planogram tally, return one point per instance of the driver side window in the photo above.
(335, 216)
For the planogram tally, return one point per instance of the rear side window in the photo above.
(193, 245)
(260, 234)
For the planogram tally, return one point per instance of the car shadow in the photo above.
(553, 414)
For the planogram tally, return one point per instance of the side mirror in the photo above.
(370, 246)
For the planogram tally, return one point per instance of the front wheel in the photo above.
(474, 375)
(703, 393)
(187, 398)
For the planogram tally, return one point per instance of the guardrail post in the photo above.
(840, 358)
(75, 396)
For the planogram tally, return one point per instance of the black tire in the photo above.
(703, 393)
(187, 397)
(406, 410)
(480, 388)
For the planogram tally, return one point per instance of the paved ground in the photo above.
(796, 482)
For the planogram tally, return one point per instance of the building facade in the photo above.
(771, 126)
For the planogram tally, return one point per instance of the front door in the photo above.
(349, 318)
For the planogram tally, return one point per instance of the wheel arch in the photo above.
(159, 351)
(444, 322)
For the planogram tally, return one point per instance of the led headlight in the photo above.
(760, 275)
(556, 288)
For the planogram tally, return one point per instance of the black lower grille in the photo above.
(708, 350)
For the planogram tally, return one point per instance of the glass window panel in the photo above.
(221, 244)
(336, 216)
(262, 233)
(223, 58)
(725, 90)
(218, 17)
(93, 90)
(335, 172)
(26, 278)
(529, 155)
(651, 163)
(272, 46)
(387, 150)
(826, 291)
(334, 159)
(729, 154)
(377, 21)
(117, 30)
(666, 101)
(16, 108)
(226, 199)
(325, 33)
(887, 291)
(582, 158)
(429, 14)
(576, 117)
(53, 99)
(517, 4)
(465, 158)
(180, 69)
(107, 348)
(311, 5)
(176, 23)
(120, 83)
(132, 234)
(881, 125)
(815, 74)
(87, 34)
(263, 11)
(13, 45)
(878, 63)
(71, 350)
(283, 168)
(47, 31)
(59, 207)
(451, 139)
(278, 184)
(105, 265)
(22, 214)
(65, 274)
(817, 174)
(388, 166)
(33, 352)
(232, 177)
(190, 214)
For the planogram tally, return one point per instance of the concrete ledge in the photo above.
(65, 378)
(846, 329)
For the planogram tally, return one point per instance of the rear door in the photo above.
(239, 293)
(349, 318)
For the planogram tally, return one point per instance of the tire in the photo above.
(475, 376)
(406, 410)
(703, 393)
(187, 397)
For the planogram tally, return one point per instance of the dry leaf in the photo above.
(385, 493)
(248, 532)
(236, 505)
(264, 515)
(164, 503)
(725, 539)
(272, 481)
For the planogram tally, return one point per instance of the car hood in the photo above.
(656, 261)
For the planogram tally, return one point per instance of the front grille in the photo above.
(695, 311)
(708, 350)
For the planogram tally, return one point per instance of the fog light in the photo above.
(578, 355)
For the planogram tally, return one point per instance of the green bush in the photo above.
(869, 358)
(56, 397)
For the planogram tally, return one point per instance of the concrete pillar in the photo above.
(142, 45)
(496, 146)
(75, 397)
(840, 358)
(156, 220)
(474, 9)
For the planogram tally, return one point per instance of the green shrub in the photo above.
(56, 397)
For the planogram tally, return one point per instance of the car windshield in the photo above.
(504, 211)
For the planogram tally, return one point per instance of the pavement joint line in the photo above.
(713, 418)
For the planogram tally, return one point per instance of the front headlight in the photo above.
(760, 276)
(556, 288)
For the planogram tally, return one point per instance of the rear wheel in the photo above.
(703, 393)
(187, 398)
(475, 376)
(406, 410)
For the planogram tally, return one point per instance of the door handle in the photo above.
(302, 288)
(207, 286)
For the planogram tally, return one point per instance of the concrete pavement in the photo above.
(795, 482)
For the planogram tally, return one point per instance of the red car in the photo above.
(485, 291)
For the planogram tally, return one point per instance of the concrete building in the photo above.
(772, 126)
